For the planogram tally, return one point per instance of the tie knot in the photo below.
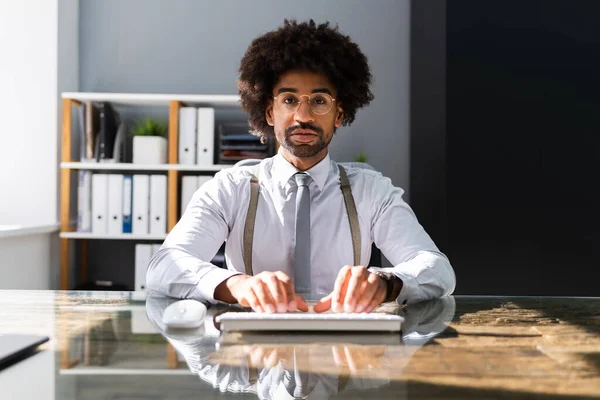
(302, 179)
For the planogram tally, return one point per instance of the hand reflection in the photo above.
(352, 358)
(260, 356)
(357, 358)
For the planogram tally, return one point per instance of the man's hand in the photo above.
(266, 292)
(355, 290)
(358, 358)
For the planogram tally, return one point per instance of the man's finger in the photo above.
(250, 299)
(358, 275)
(324, 304)
(377, 299)
(288, 287)
(302, 306)
(339, 288)
(369, 290)
(276, 291)
(262, 293)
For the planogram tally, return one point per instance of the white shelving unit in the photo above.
(173, 169)
(141, 99)
(140, 167)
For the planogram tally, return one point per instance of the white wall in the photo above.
(34, 43)
(28, 100)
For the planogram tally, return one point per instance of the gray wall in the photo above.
(194, 46)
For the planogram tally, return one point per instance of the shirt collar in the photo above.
(282, 170)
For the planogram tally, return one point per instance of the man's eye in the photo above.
(319, 100)
(290, 100)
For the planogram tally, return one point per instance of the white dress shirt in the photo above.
(217, 213)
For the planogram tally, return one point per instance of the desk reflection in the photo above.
(308, 366)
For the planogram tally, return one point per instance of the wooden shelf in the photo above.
(141, 99)
(123, 236)
(141, 167)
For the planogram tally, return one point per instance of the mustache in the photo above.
(303, 125)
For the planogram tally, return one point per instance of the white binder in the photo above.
(206, 136)
(202, 179)
(187, 135)
(189, 185)
(99, 203)
(158, 204)
(143, 254)
(84, 201)
(115, 204)
(141, 204)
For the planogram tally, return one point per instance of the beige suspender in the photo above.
(352, 214)
(250, 218)
(253, 205)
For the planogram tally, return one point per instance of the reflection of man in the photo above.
(300, 222)
(314, 367)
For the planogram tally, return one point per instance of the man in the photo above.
(311, 232)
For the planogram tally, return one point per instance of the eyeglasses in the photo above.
(319, 103)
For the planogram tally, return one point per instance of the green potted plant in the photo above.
(361, 157)
(149, 142)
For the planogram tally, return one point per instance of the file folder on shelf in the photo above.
(202, 179)
(115, 204)
(91, 128)
(127, 202)
(189, 185)
(99, 203)
(107, 133)
(143, 254)
(205, 136)
(187, 135)
(158, 204)
(141, 204)
(235, 143)
(84, 201)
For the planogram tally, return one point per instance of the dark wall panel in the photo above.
(522, 146)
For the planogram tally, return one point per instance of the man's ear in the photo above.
(339, 117)
(269, 113)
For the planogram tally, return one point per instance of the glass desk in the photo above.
(104, 345)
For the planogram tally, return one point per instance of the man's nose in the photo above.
(304, 113)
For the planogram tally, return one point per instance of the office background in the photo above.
(499, 177)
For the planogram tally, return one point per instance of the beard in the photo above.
(304, 150)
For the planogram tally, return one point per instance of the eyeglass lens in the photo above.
(319, 103)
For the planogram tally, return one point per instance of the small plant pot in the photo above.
(149, 150)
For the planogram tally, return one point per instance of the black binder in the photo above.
(109, 123)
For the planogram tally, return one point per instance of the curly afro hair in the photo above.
(302, 46)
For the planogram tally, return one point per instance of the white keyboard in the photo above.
(300, 321)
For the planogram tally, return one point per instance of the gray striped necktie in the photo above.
(302, 234)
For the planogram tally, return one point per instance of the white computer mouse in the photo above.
(184, 314)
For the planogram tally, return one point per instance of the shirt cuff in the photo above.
(410, 292)
(205, 290)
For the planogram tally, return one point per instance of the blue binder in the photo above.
(127, 202)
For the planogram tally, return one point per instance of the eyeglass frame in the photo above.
(308, 101)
